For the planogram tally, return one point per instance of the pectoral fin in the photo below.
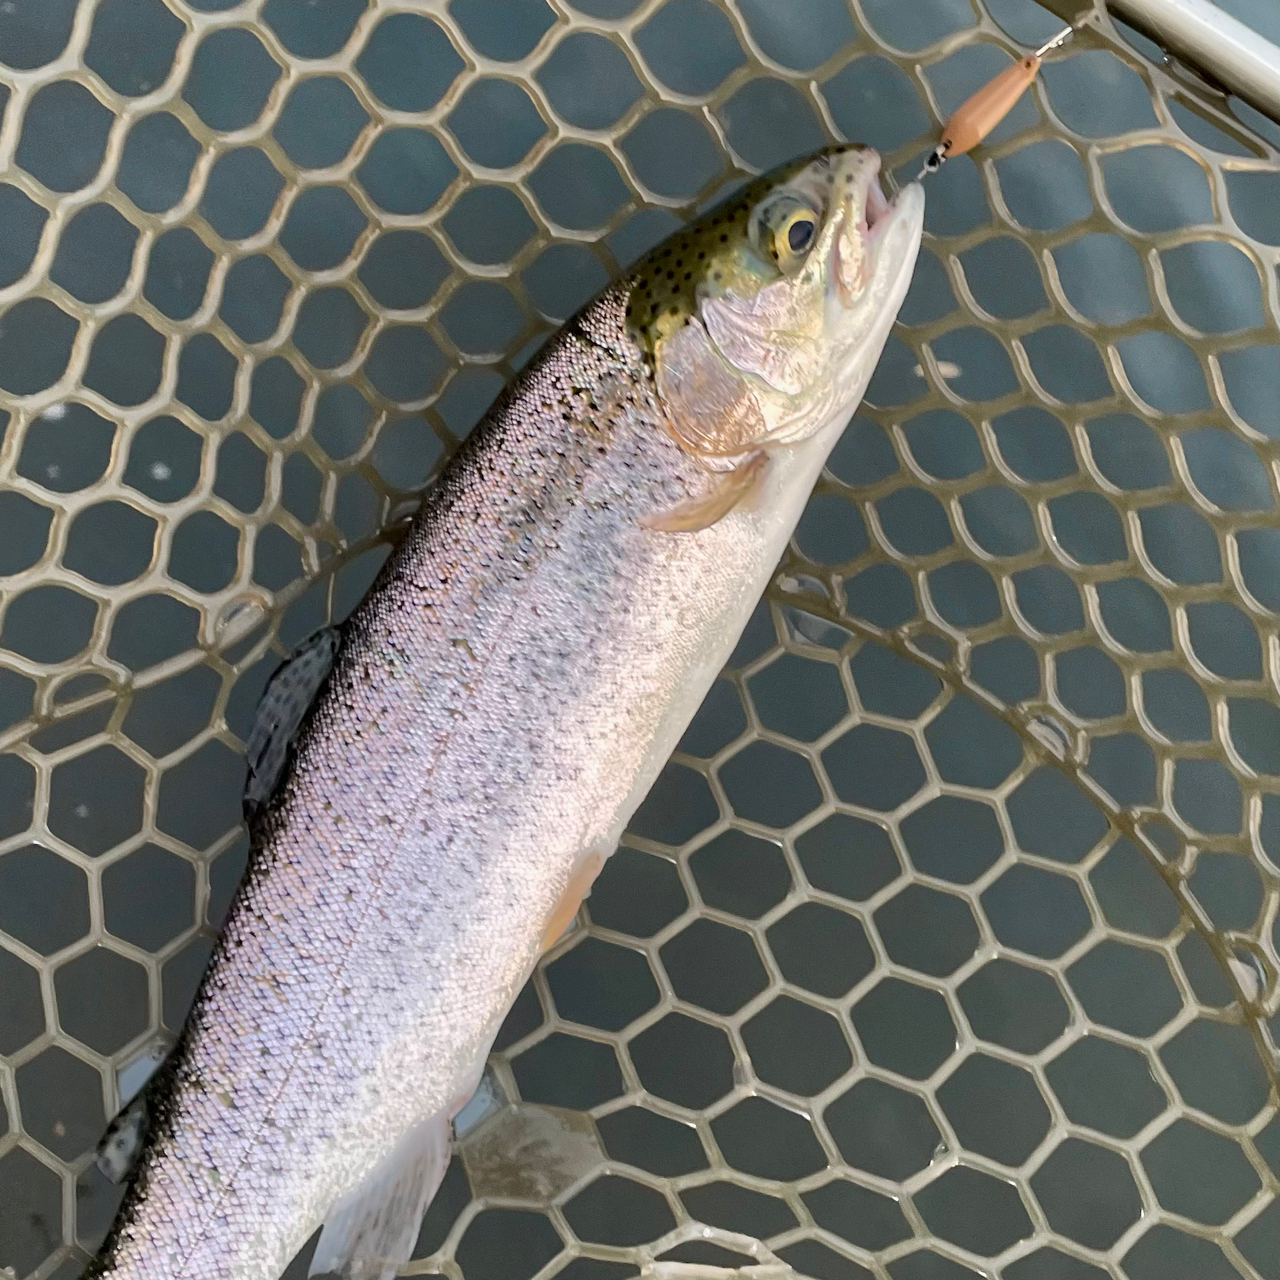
(370, 1233)
(727, 490)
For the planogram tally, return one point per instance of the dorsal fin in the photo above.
(122, 1144)
(284, 704)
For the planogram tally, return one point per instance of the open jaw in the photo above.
(877, 208)
(863, 215)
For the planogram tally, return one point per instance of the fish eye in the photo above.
(787, 228)
(799, 232)
(793, 236)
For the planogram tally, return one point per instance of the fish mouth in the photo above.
(863, 216)
(876, 211)
(866, 205)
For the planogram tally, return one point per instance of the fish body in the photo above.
(500, 704)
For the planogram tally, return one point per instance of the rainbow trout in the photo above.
(497, 708)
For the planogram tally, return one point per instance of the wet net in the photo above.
(946, 945)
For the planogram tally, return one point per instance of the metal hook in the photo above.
(933, 161)
(1056, 43)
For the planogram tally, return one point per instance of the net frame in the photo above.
(76, 1069)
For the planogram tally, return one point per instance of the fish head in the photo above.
(765, 319)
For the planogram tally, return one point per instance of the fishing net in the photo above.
(946, 944)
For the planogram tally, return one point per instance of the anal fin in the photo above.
(370, 1233)
(728, 489)
(283, 706)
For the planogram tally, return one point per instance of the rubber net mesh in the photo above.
(946, 944)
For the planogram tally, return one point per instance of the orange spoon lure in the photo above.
(975, 118)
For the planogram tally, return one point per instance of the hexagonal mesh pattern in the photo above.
(947, 943)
